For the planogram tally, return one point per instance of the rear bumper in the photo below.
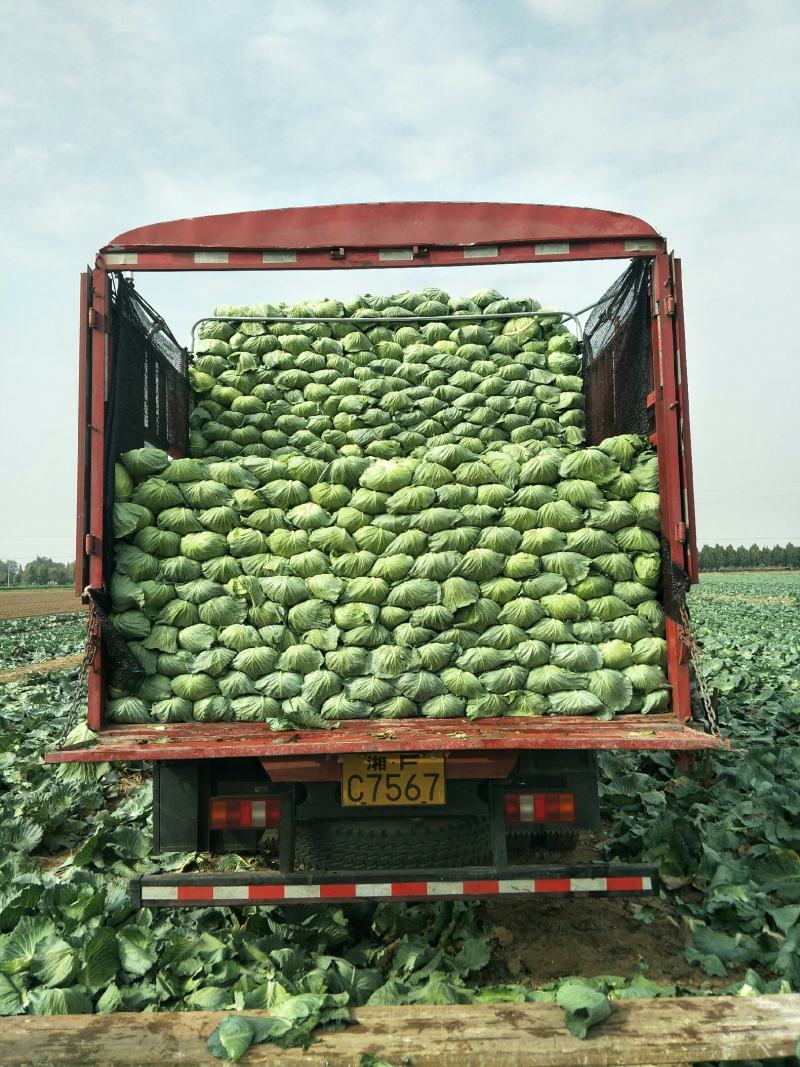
(269, 888)
(181, 741)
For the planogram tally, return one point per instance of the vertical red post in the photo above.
(94, 547)
(668, 444)
(84, 380)
(684, 427)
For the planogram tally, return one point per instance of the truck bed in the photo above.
(195, 740)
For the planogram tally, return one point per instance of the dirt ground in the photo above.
(13, 674)
(540, 939)
(25, 603)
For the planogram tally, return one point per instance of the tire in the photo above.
(391, 844)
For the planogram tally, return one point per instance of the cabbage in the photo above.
(342, 706)
(616, 654)
(212, 709)
(131, 624)
(128, 518)
(203, 546)
(390, 521)
(443, 706)
(142, 462)
(223, 611)
(650, 650)
(551, 679)
(127, 710)
(194, 686)
(238, 636)
(645, 677)
(575, 702)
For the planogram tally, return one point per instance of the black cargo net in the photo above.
(618, 375)
(148, 404)
(618, 357)
(675, 584)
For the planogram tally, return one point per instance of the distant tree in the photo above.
(42, 570)
(715, 557)
(9, 572)
(742, 557)
(69, 571)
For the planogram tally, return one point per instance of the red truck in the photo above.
(400, 809)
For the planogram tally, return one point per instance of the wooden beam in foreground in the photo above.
(669, 1031)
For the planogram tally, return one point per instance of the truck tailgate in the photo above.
(195, 740)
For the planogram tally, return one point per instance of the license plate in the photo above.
(392, 781)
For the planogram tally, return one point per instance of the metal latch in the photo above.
(92, 318)
(680, 532)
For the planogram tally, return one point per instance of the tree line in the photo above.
(728, 557)
(40, 571)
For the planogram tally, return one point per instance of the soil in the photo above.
(541, 939)
(25, 603)
(15, 673)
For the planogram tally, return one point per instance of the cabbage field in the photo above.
(380, 518)
(726, 838)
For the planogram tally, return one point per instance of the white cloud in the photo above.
(682, 113)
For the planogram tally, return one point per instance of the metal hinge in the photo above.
(92, 318)
(680, 532)
(669, 305)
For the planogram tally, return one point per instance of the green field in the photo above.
(726, 838)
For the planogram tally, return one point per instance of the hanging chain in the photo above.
(81, 684)
(690, 642)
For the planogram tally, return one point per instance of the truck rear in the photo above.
(429, 769)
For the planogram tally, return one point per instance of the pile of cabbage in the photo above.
(384, 520)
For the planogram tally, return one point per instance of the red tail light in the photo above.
(243, 813)
(540, 807)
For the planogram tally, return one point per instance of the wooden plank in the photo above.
(670, 1031)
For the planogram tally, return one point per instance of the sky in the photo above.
(686, 114)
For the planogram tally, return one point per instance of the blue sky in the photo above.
(685, 114)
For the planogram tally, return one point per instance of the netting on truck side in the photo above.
(148, 405)
(617, 362)
(618, 377)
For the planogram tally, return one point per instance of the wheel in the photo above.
(389, 844)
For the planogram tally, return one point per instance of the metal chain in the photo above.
(81, 685)
(690, 642)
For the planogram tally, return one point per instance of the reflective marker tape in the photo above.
(641, 244)
(301, 892)
(481, 252)
(278, 257)
(121, 259)
(447, 889)
(395, 255)
(211, 257)
(161, 892)
(551, 248)
(487, 887)
(588, 885)
(228, 893)
(376, 889)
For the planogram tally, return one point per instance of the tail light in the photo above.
(540, 807)
(244, 813)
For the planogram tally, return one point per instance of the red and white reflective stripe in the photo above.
(256, 894)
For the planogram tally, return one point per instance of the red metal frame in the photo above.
(84, 400)
(342, 236)
(692, 567)
(398, 235)
(669, 388)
